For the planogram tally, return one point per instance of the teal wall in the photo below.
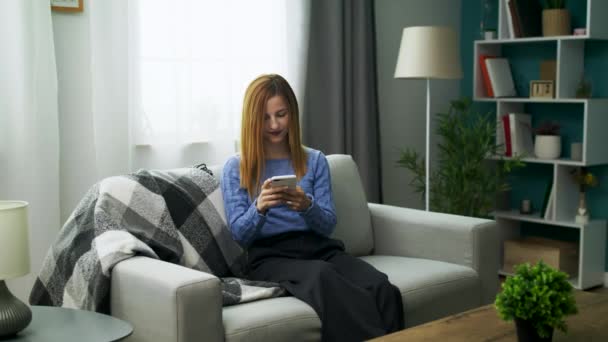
(531, 181)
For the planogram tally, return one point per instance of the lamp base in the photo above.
(14, 314)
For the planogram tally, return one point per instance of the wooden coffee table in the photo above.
(484, 324)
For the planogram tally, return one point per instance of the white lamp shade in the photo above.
(429, 52)
(14, 240)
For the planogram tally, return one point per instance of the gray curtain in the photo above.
(340, 103)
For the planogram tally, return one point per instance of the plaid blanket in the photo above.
(176, 215)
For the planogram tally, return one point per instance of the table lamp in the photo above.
(14, 262)
(428, 52)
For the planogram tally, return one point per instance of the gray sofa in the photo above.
(442, 263)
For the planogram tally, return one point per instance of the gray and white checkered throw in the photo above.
(175, 215)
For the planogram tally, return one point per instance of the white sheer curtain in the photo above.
(92, 55)
(191, 60)
(29, 133)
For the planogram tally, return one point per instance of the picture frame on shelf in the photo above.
(67, 5)
(542, 89)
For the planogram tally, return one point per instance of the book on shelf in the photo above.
(514, 21)
(507, 134)
(501, 147)
(520, 125)
(484, 74)
(548, 214)
(529, 16)
(548, 189)
(510, 23)
(501, 79)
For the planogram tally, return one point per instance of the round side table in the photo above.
(51, 324)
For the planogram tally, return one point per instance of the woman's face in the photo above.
(276, 121)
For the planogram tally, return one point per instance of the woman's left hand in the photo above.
(296, 199)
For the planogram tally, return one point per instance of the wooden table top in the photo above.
(484, 324)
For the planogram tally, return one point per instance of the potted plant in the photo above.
(585, 180)
(584, 88)
(556, 18)
(464, 182)
(538, 298)
(548, 143)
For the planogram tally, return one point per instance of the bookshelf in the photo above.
(587, 120)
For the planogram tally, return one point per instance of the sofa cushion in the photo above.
(430, 289)
(354, 226)
(216, 170)
(276, 319)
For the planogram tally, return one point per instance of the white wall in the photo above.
(402, 103)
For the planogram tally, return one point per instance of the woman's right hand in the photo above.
(269, 197)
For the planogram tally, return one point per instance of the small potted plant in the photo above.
(585, 180)
(556, 18)
(584, 88)
(538, 298)
(548, 143)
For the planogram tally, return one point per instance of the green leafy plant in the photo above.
(464, 182)
(584, 89)
(584, 179)
(554, 4)
(547, 128)
(538, 294)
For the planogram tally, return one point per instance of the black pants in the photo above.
(354, 300)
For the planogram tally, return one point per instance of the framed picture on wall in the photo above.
(67, 5)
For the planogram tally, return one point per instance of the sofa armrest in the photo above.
(463, 240)
(166, 302)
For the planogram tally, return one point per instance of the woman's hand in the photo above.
(296, 199)
(269, 197)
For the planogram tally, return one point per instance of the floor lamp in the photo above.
(428, 52)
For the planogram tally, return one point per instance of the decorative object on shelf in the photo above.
(548, 70)
(428, 52)
(583, 89)
(556, 18)
(489, 34)
(580, 31)
(489, 19)
(14, 262)
(558, 254)
(526, 207)
(548, 143)
(466, 138)
(576, 151)
(67, 5)
(541, 89)
(585, 180)
(537, 298)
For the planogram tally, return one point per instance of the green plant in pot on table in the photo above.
(538, 298)
(464, 182)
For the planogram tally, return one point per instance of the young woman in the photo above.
(287, 231)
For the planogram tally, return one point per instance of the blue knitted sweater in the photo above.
(248, 225)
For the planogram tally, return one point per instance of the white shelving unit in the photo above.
(570, 58)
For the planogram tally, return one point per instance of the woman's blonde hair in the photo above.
(253, 159)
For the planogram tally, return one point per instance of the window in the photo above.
(191, 61)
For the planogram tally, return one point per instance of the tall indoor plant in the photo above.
(538, 298)
(464, 181)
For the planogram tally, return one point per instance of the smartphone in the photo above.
(285, 180)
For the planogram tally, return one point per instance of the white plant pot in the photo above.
(548, 146)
